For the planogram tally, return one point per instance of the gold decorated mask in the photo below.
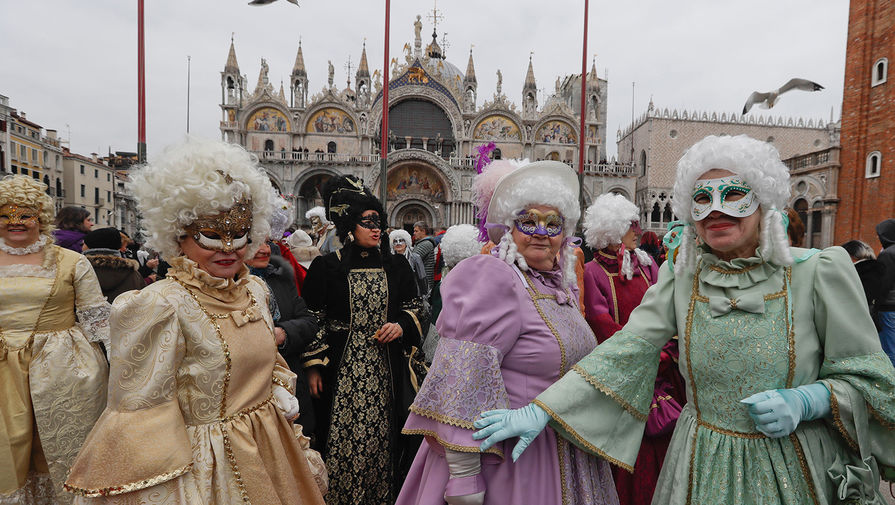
(225, 231)
(14, 215)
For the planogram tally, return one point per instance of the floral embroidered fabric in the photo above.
(464, 381)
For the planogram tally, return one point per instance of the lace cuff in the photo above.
(464, 381)
(94, 322)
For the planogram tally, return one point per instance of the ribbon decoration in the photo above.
(672, 239)
(751, 302)
(242, 317)
(484, 157)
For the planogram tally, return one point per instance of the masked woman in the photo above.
(52, 373)
(614, 284)
(790, 398)
(368, 310)
(509, 328)
(200, 402)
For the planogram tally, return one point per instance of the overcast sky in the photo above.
(71, 66)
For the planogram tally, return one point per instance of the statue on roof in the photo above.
(332, 72)
(499, 81)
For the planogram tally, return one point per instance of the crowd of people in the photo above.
(543, 356)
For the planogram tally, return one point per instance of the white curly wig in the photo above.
(608, 219)
(319, 212)
(550, 183)
(400, 233)
(281, 216)
(755, 161)
(186, 181)
(459, 242)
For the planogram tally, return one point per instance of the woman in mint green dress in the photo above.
(790, 397)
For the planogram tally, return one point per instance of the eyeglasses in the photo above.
(535, 222)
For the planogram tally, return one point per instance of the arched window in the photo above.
(643, 163)
(874, 165)
(268, 145)
(47, 182)
(331, 147)
(59, 188)
(801, 208)
(666, 215)
(880, 72)
(495, 155)
(656, 215)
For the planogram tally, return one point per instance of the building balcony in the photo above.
(228, 125)
(317, 157)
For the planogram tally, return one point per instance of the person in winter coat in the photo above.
(294, 326)
(116, 274)
(872, 274)
(399, 240)
(72, 223)
(886, 305)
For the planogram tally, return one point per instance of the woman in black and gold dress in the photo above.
(370, 317)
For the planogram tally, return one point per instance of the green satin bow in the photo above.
(720, 305)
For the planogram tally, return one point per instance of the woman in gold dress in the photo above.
(52, 371)
(200, 402)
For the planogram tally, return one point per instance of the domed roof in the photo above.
(449, 71)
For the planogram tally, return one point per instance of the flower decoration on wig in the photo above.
(606, 221)
(507, 187)
(20, 196)
(760, 177)
(211, 190)
(346, 198)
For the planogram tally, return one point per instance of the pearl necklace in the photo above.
(22, 251)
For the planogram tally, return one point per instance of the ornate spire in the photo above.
(299, 67)
(232, 65)
(282, 92)
(433, 50)
(530, 76)
(363, 70)
(593, 71)
(470, 68)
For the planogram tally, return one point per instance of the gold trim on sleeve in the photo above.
(315, 362)
(280, 382)
(579, 440)
(453, 447)
(452, 421)
(610, 393)
(128, 488)
(837, 420)
(803, 463)
(879, 417)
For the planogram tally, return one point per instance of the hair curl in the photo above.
(608, 219)
(458, 243)
(27, 192)
(188, 181)
(755, 161)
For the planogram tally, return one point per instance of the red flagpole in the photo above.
(582, 135)
(141, 87)
(383, 146)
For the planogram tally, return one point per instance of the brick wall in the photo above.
(868, 123)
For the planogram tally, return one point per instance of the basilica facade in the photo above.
(436, 124)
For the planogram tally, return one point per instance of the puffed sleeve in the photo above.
(91, 306)
(602, 407)
(140, 440)
(858, 373)
(478, 325)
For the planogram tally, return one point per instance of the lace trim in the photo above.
(94, 322)
(610, 393)
(128, 488)
(37, 490)
(453, 447)
(9, 271)
(23, 251)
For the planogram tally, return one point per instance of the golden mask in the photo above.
(225, 231)
(13, 215)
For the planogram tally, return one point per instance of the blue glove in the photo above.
(498, 425)
(777, 412)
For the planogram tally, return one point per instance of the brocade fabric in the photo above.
(52, 377)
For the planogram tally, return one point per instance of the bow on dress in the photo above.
(720, 305)
(243, 317)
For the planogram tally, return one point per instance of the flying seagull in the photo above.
(767, 100)
(265, 2)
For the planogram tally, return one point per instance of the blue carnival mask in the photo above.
(729, 195)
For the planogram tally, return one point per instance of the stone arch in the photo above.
(321, 106)
(410, 210)
(620, 190)
(506, 114)
(555, 117)
(413, 91)
(306, 190)
(256, 107)
(446, 172)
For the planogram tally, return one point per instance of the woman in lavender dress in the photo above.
(510, 327)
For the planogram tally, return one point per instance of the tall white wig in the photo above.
(189, 180)
(549, 183)
(459, 242)
(319, 212)
(755, 161)
(399, 233)
(606, 221)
